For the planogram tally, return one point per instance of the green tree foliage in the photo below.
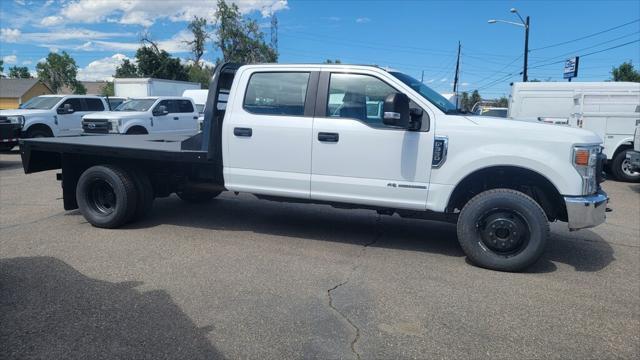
(19, 72)
(126, 70)
(201, 74)
(240, 40)
(108, 89)
(198, 27)
(503, 102)
(625, 72)
(1, 66)
(474, 99)
(59, 70)
(464, 101)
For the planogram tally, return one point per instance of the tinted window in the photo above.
(276, 93)
(94, 105)
(76, 104)
(184, 106)
(169, 104)
(358, 97)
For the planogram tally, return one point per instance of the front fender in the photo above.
(41, 120)
(128, 124)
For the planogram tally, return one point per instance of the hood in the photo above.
(115, 115)
(536, 130)
(24, 112)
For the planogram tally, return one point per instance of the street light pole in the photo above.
(525, 78)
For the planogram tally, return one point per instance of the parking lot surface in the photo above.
(244, 278)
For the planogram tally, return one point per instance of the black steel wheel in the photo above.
(503, 229)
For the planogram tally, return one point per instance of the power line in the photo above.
(585, 55)
(586, 36)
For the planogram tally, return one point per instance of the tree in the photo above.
(126, 70)
(201, 74)
(108, 89)
(464, 101)
(59, 70)
(19, 72)
(336, 61)
(159, 64)
(198, 27)
(240, 40)
(1, 66)
(474, 99)
(503, 102)
(625, 72)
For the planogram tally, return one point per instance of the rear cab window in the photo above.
(276, 93)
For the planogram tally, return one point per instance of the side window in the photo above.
(94, 105)
(166, 103)
(359, 97)
(184, 106)
(276, 93)
(76, 104)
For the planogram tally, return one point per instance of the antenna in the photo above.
(455, 78)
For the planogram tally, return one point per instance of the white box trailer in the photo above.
(610, 109)
(141, 87)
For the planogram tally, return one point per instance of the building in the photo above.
(93, 88)
(14, 92)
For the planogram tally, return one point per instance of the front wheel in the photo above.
(503, 230)
(621, 168)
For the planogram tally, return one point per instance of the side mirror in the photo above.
(160, 111)
(396, 110)
(65, 109)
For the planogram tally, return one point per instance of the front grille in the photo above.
(600, 174)
(96, 126)
(4, 120)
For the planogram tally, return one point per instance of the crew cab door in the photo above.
(267, 132)
(71, 123)
(356, 157)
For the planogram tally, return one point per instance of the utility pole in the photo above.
(274, 32)
(455, 78)
(525, 78)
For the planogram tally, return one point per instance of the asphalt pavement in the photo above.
(246, 278)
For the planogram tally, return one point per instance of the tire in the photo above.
(197, 197)
(107, 196)
(38, 133)
(503, 230)
(620, 168)
(145, 194)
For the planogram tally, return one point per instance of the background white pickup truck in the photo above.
(148, 115)
(350, 137)
(55, 115)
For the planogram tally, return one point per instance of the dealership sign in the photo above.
(571, 67)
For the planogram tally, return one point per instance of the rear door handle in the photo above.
(244, 132)
(328, 137)
(176, 118)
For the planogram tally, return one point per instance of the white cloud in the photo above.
(362, 20)
(429, 81)
(443, 79)
(10, 59)
(71, 34)
(102, 69)
(10, 35)
(19, 2)
(27, 62)
(146, 12)
(52, 20)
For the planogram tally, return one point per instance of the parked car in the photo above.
(148, 115)
(10, 127)
(500, 181)
(54, 115)
(610, 109)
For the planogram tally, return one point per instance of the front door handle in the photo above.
(328, 137)
(244, 132)
(176, 118)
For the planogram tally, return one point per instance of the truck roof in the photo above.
(576, 85)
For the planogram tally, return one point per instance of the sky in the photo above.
(416, 37)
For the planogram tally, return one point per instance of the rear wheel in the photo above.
(621, 168)
(503, 229)
(197, 197)
(107, 196)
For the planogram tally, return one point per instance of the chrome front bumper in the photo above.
(586, 211)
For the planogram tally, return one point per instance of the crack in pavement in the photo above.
(378, 234)
(32, 222)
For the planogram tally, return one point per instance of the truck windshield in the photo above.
(136, 105)
(41, 103)
(432, 96)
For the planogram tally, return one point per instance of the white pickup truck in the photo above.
(54, 115)
(350, 137)
(148, 115)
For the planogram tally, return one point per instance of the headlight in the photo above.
(115, 123)
(16, 119)
(584, 159)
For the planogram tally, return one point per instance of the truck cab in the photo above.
(350, 137)
(54, 115)
(147, 115)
